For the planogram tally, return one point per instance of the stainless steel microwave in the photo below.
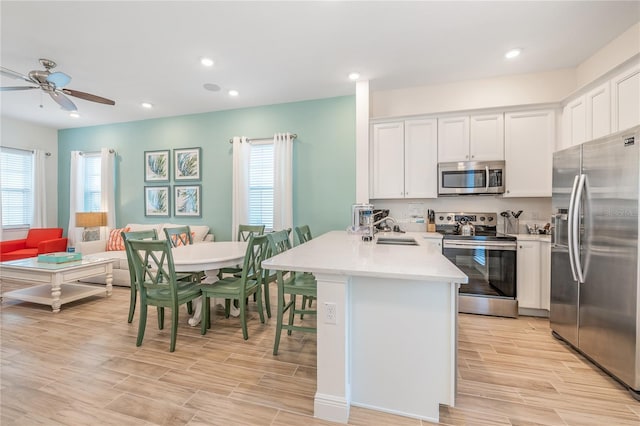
(471, 177)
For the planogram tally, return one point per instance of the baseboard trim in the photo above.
(330, 407)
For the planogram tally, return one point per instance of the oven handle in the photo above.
(488, 245)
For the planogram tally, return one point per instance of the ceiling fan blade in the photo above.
(63, 101)
(59, 79)
(88, 96)
(9, 73)
(7, 89)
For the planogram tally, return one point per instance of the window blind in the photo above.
(16, 184)
(92, 169)
(261, 185)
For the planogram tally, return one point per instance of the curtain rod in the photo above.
(293, 136)
(111, 151)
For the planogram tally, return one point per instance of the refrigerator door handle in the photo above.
(576, 228)
(486, 188)
(570, 236)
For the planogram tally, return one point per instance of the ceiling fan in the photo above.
(52, 83)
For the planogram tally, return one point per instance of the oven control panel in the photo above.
(476, 219)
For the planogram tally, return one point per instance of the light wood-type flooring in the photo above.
(82, 367)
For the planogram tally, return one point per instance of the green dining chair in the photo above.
(244, 233)
(304, 234)
(239, 288)
(158, 284)
(135, 235)
(182, 236)
(292, 284)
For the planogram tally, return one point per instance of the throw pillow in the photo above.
(176, 240)
(115, 241)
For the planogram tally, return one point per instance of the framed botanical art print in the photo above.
(156, 166)
(187, 200)
(186, 164)
(156, 201)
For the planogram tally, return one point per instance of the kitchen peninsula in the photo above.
(392, 346)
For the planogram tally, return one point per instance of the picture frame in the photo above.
(157, 166)
(186, 164)
(157, 201)
(187, 200)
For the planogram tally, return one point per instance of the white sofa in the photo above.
(121, 276)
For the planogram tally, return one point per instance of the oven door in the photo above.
(490, 266)
(471, 178)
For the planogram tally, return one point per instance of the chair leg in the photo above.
(279, 315)
(304, 305)
(142, 323)
(243, 319)
(292, 312)
(258, 294)
(174, 327)
(160, 317)
(132, 302)
(227, 307)
(267, 303)
(190, 307)
(206, 314)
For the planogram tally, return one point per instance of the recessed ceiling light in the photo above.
(354, 76)
(233, 93)
(74, 114)
(147, 105)
(513, 53)
(207, 62)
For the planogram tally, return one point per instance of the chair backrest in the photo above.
(304, 233)
(246, 231)
(279, 242)
(179, 236)
(256, 251)
(153, 262)
(150, 234)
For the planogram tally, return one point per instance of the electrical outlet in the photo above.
(330, 313)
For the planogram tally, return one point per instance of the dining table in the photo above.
(210, 257)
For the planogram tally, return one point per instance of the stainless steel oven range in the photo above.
(472, 243)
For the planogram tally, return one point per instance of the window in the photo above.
(92, 169)
(16, 182)
(261, 185)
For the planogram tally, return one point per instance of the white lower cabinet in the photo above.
(533, 276)
(434, 240)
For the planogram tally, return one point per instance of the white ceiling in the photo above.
(274, 52)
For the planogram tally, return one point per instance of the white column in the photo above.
(362, 142)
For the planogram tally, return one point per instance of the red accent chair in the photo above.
(38, 241)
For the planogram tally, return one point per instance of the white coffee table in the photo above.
(56, 284)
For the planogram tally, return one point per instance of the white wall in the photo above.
(523, 89)
(23, 135)
(622, 48)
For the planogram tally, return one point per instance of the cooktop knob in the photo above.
(482, 218)
(490, 219)
(448, 217)
(441, 217)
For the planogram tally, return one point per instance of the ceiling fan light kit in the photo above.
(52, 83)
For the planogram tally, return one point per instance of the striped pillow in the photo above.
(115, 241)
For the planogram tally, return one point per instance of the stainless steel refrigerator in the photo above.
(595, 295)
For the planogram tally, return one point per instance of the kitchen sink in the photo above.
(397, 241)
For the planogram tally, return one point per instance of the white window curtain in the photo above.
(39, 219)
(108, 185)
(240, 184)
(283, 181)
(76, 195)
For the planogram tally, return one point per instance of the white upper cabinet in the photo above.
(471, 138)
(453, 139)
(598, 103)
(574, 122)
(487, 137)
(421, 158)
(625, 99)
(404, 159)
(528, 146)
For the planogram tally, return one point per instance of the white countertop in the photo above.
(338, 252)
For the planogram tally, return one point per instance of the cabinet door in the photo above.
(453, 139)
(528, 274)
(545, 275)
(625, 99)
(529, 138)
(577, 121)
(421, 158)
(387, 160)
(598, 103)
(486, 141)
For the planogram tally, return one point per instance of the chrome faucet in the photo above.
(384, 219)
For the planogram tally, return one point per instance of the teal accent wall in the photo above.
(323, 160)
